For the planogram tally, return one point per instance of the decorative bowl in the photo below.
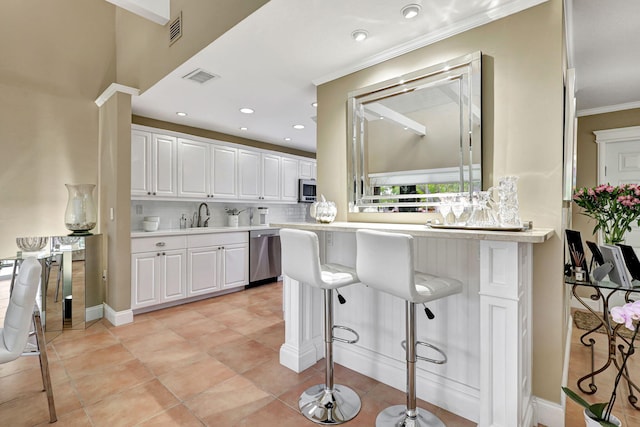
(31, 244)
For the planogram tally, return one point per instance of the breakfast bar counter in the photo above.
(485, 330)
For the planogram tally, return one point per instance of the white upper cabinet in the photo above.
(164, 178)
(307, 169)
(193, 168)
(249, 175)
(224, 176)
(270, 177)
(140, 163)
(153, 164)
(289, 191)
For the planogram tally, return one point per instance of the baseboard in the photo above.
(548, 413)
(117, 318)
(453, 396)
(297, 361)
(93, 313)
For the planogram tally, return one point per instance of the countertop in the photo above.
(199, 230)
(535, 235)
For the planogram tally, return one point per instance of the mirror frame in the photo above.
(361, 197)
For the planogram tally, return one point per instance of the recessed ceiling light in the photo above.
(243, 128)
(411, 11)
(314, 104)
(181, 114)
(298, 127)
(359, 35)
(246, 110)
(287, 139)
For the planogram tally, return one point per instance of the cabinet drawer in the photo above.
(216, 239)
(150, 244)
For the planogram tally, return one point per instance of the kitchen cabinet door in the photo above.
(289, 191)
(307, 169)
(236, 265)
(224, 180)
(173, 275)
(193, 168)
(140, 163)
(204, 270)
(144, 270)
(270, 177)
(249, 175)
(157, 277)
(164, 176)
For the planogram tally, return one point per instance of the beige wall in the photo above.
(56, 59)
(522, 135)
(587, 154)
(144, 54)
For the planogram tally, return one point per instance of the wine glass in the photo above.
(444, 208)
(458, 208)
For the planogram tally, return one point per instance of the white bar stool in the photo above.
(326, 403)
(385, 262)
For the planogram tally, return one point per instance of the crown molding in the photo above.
(432, 37)
(112, 89)
(608, 109)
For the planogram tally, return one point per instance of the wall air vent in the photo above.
(200, 76)
(175, 29)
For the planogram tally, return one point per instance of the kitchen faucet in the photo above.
(206, 221)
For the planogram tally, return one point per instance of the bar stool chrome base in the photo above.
(323, 406)
(396, 416)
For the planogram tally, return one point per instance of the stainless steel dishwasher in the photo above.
(264, 256)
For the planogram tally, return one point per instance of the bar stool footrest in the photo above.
(329, 406)
(335, 338)
(428, 359)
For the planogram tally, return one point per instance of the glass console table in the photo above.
(617, 343)
(72, 290)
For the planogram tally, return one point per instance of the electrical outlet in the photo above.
(104, 275)
(138, 209)
(329, 237)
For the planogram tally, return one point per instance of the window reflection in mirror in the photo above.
(416, 137)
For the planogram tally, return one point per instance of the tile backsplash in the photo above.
(171, 211)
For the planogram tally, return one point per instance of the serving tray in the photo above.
(470, 227)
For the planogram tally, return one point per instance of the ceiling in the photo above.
(273, 60)
(603, 49)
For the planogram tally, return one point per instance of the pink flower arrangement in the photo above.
(614, 208)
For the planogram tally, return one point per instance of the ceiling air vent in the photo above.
(200, 76)
(175, 29)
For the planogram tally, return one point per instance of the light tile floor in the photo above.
(580, 365)
(212, 362)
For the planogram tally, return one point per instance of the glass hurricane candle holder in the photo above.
(80, 215)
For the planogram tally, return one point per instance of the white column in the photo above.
(505, 334)
(303, 344)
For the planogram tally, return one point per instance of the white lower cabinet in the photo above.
(217, 262)
(158, 270)
(172, 268)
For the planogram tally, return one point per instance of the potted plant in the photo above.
(614, 208)
(600, 413)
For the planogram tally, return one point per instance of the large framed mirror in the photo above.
(416, 138)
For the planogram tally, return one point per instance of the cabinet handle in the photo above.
(164, 253)
(158, 254)
(154, 193)
(148, 193)
(160, 244)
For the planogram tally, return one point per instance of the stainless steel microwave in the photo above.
(307, 190)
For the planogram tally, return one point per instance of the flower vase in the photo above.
(590, 422)
(80, 214)
(232, 220)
